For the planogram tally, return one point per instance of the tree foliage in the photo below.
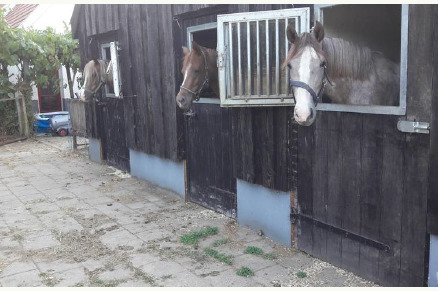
(38, 54)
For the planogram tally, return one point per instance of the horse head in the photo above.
(196, 75)
(96, 73)
(307, 71)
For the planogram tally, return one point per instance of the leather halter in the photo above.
(205, 83)
(305, 86)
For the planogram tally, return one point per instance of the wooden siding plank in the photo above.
(243, 144)
(87, 19)
(319, 181)
(351, 170)
(92, 18)
(306, 145)
(168, 87)
(154, 92)
(334, 185)
(413, 232)
(370, 184)
(125, 69)
(432, 220)
(137, 53)
(391, 201)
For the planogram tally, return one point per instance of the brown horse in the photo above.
(96, 73)
(356, 74)
(200, 72)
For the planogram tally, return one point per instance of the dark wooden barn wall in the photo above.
(433, 170)
(147, 63)
(359, 173)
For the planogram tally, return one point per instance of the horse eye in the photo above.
(289, 66)
(196, 71)
(322, 65)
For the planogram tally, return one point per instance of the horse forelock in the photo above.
(94, 73)
(345, 59)
(305, 40)
(188, 57)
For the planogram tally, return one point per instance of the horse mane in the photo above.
(94, 73)
(344, 58)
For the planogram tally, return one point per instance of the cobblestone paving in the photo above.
(65, 221)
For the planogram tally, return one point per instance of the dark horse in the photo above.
(96, 74)
(356, 74)
(200, 72)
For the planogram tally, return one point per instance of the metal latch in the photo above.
(220, 60)
(413, 126)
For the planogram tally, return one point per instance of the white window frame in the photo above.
(190, 31)
(302, 16)
(113, 46)
(376, 109)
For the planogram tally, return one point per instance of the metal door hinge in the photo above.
(296, 216)
(413, 126)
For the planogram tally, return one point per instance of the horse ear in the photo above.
(185, 50)
(291, 33)
(318, 31)
(196, 47)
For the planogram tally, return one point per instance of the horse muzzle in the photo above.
(184, 101)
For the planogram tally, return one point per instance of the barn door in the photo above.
(211, 182)
(111, 117)
(361, 196)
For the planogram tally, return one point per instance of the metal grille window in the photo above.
(251, 49)
(109, 51)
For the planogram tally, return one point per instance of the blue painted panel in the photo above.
(433, 261)
(162, 172)
(264, 209)
(94, 150)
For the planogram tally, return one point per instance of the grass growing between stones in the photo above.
(220, 242)
(245, 272)
(193, 237)
(301, 274)
(49, 280)
(259, 252)
(227, 259)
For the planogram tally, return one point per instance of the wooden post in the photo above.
(23, 123)
(20, 114)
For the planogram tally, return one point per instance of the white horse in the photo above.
(356, 74)
(96, 73)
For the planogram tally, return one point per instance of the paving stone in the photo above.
(184, 279)
(229, 278)
(154, 234)
(267, 275)
(162, 268)
(25, 279)
(140, 226)
(92, 265)
(39, 242)
(120, 238)
(117, 274)
(51, 267)
(139, 260)
(16, 268)
(71, 278)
